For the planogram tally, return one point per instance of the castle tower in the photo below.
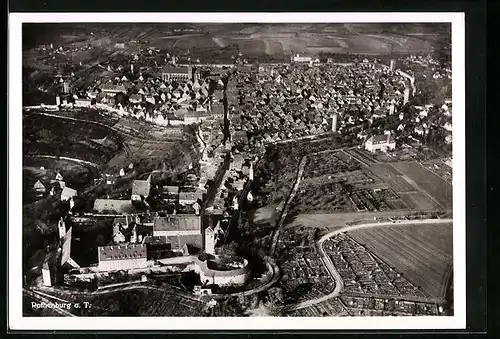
(209, 241)
(62, 228)
(58, 100)
(392, 65)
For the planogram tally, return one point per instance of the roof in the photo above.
(170, 189)
(119, 206)
(178, 242)
(122, 252)
(178, 222)
(140, 187)
(175, 70)
(111, 87)
(378, 139)
(155, 239)
(38, 184)
(68, 192)
(190, 196)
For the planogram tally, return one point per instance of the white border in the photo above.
(17, 322)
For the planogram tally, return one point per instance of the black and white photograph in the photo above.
(283, 170)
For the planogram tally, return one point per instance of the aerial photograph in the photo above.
(237, 170)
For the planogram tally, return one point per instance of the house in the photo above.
(170, 193)
(113, 206)
(141, 188)
(122, 257)
(240, 138)
(59, 177)
(176, 73)
(83, 102)
(135, 98)
(380, 142)
(189, 198)
(179, 229)
(110, 179)
(38, 187)
(111, 89)
(68, 193)
(237, 162)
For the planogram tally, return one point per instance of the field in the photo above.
(422, 253)
(273, 39)
(337, 182)
(440, 190)
(414, 185)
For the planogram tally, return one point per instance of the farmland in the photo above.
(273, 39)
(437, 188)
(418, 188)
(336, 182)
(422, 253)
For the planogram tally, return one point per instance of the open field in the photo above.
(440, 190)
(414, 191)
(422, 253)
(276, 38)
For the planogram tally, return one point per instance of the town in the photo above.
(214, 188)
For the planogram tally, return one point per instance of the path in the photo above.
(300, 172)
(331, 268)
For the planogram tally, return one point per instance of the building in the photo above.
(111, 89)
(141, 188)
(59, 177)
(334, 122)
(82, 102)
(189, 198)
(392, 65)
(46, 274)
(38, 187)
(406, 96)
(180, 230)
(170, 73)
(240, 137)
(380, 142)
(237, 162)
(209, 241)
(113, 206)
(298, 58)
(122, 257)
(68, 193)
(170, 193)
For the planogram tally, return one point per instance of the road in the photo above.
(331, 268)
(274, 238)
